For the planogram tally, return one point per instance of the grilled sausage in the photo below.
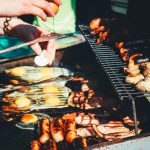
(57, 129)
(70, 130)
(51, 145)
(44, 137)
(45, 124)
(35, 145)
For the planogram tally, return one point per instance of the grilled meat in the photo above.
(124, 54)
(35, 145)
(85, 132)
(45, 124)
(86, 120)
(70, 130)
(44, 137)
(143, 86)
(132, 68)
(134, 79)
(51, 145)
(57, 129)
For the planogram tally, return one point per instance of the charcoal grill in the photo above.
(112, 64)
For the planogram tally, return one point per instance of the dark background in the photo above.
(136, 21)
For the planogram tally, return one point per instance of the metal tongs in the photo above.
(42, 38)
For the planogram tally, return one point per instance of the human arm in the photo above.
(41, 8)
(27, 32)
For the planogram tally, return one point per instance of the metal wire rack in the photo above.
(112, 65)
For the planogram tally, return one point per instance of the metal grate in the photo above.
(112, 64)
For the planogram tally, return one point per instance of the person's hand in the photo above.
(27, 32)
(41, 8)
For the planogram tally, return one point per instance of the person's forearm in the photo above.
(12, 23)
(2, 19)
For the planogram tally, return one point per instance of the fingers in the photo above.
(45, 6)
(36, 48)
(38, 12)
(51, 51)
(58, 2)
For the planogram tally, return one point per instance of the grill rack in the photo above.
(112, 64)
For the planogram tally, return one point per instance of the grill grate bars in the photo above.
(112, 64)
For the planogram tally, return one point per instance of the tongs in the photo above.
(42, 38)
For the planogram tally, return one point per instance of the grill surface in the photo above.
(112, 65)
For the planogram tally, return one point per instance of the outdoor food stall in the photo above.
(97, 98)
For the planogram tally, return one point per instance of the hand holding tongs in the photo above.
(42, 38)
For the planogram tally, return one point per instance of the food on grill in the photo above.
(41, 96)
(50, 89)
(45, 70)
(147, 78)
(35, 74)
(146, 65)
(86, 120)
(22, 102)
(143, 86)
(119, 45)
(85, 132)
(98, 29)
(84, 100)
(102, 36)
(35, 145)
(45, 125)
(44, 137)
(52, 101)
(57, 129)
(29, 118)
(80, 142)
(15, 82)
(134, 79)
(95, 24)
(70, 130)
(104, 129)
(51, 145)
(110, 131)
(146, 72)
(124, 54)
(84, 88)
(128, 121)
(18, 71)
(132, 68)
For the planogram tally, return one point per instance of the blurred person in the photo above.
(63, 22)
